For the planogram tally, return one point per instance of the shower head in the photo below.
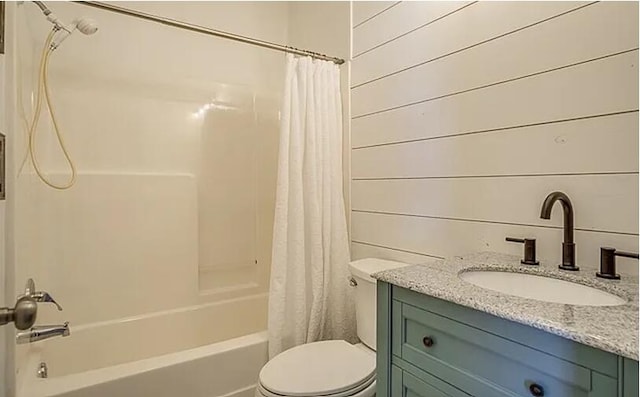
(85, 25)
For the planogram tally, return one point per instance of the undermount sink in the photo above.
(541, 288)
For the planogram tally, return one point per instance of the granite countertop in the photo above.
(610, 328)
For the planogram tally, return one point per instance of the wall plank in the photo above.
(474, 24)
(592, 32)
(363, 250)
(364, 10)
(605, 86)
(443, 237)
(604, 144)
(601, 202)
(400, 20)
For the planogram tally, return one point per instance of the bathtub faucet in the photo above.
(42, 332)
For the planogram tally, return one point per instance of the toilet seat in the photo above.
(333, 368)
(365, 390)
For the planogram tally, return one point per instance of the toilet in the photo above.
(333, 368)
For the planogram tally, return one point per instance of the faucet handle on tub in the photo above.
(608, 262)
(42, 296)
(38, 296)
(529, 249)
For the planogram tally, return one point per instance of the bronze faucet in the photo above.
(568, 246)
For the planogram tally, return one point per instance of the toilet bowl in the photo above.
(333, 368)
(328, 368)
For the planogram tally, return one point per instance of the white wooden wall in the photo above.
(465, 115)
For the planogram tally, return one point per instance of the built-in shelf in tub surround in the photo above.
(610, 328)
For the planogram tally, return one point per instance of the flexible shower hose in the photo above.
(43, 88)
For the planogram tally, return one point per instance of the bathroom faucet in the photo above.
(568, 246)
(42, 332)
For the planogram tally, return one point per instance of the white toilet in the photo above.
(333, 368)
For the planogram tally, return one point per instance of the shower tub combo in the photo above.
(132, 219)
(199, 351)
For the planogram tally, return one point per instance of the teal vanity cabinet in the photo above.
(429, 347)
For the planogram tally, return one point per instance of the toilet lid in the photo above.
(319, 368)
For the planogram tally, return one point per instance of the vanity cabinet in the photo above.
(429, 347)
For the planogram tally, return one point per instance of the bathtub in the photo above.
(209, 350)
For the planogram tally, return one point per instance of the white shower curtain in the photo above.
(309, 294)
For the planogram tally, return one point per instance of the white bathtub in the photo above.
(209, 350)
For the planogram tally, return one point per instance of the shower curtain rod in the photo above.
(211, 32)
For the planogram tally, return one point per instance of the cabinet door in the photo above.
(630, 378)
(404, 384)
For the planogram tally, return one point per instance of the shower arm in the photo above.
(43, 7)
(51, 17)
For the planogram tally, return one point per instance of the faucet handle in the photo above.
(30, 287)
(529, 249)
(38, 296)
(608, 262)
(42, 296)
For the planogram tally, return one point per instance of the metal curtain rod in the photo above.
(211, 32)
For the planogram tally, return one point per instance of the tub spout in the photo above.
(42, 332)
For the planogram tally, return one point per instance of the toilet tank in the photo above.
(365, 295)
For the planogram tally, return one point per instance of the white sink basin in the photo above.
(541, 288)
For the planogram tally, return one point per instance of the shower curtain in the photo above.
(309, 297)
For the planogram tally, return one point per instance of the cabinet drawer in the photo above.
(477, 361)
(404, 384)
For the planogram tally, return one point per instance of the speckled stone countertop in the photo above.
(610, 328)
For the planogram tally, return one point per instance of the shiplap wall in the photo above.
(465, 115)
